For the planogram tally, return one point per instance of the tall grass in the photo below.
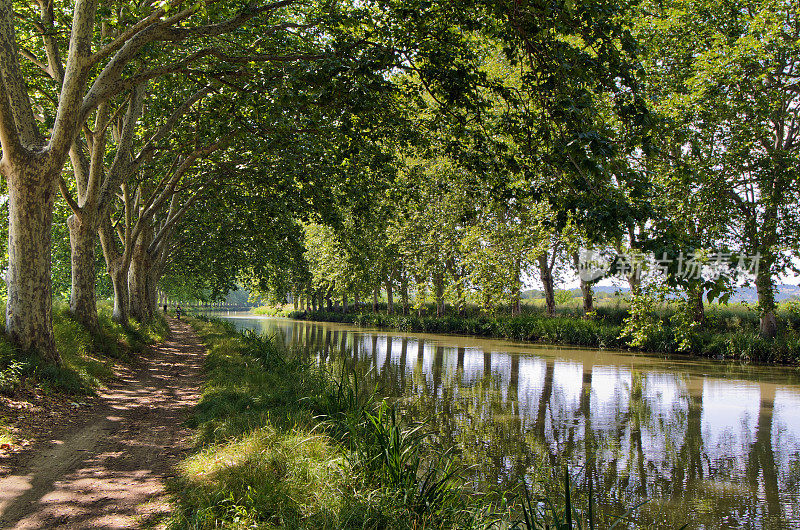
(283, 444)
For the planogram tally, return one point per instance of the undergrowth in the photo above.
(87, 355)
(729, 333)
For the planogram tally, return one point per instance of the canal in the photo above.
(711, 444)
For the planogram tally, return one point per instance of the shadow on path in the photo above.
(109, 471)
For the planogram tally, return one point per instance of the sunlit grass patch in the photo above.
(292, 479)
(6, 435)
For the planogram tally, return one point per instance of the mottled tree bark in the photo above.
(389, 294)
(117, 271)
(548, 288)
(329, 295)
(438, 291)
(29, 306)
(82, 301)
(404, 292)
(588, 298)
(139, 290)
(765, 287)
(139, 276)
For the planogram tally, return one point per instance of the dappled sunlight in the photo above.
(109, 472)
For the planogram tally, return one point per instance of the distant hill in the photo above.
(744, 294)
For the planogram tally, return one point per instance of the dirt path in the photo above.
(108, 470)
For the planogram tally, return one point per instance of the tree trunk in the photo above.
(344, 302)
(82, 301)
(586, 288)
(138, 291)
(356, 301)
(375, 298)
(119, 281)
(389, 295)
(404, 292)
(766, 299)
(328, 295)
(117, 271)
(29, 321)
(635, 282)
(486, 300)
(438, 286)
(516, 305)
(547, 285)
(696, 302)
(462, 303)
(588, 298)
(138, 278)
(419, 294)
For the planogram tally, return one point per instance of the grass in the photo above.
(281, 443)
(264, 458)
(730, 332)
(280, 310)
(87, 356)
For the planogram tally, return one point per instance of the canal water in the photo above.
(711, 444)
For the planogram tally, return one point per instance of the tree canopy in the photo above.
(453, 152)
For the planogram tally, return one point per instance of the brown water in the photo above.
(711, 444)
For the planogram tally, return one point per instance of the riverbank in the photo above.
(281, 443)
(34, 393)
(279, 310)
(727, 334)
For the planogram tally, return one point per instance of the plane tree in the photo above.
(725, 78)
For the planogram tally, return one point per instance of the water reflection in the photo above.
(715, 446)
